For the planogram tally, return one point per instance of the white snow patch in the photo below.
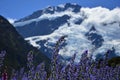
(11, 20)
(61, 5)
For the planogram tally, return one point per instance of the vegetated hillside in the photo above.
(16, 47)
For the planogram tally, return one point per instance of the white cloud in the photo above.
(11, 20)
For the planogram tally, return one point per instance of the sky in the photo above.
(16, 9)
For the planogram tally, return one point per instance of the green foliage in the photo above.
(114, 61)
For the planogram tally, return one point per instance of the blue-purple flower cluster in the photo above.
(2, 55)
(86, 69)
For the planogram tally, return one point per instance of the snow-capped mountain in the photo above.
(45, 21)
(95, 29)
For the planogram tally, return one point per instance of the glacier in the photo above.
(106, 22)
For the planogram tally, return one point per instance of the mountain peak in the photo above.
(51, 10)
(92, 28)
(71, 5)
(74, 6)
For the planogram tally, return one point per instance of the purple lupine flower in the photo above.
(55, 71)
(40, 73)
(86, 69)
(2, 55)
(25, 77)
(30, 65)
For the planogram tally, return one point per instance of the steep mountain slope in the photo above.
(78, 26)
(16, 47)
(49, 26)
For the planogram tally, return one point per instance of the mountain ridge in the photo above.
(51, 10)
(79, 23)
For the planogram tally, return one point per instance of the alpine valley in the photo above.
(94, 29)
